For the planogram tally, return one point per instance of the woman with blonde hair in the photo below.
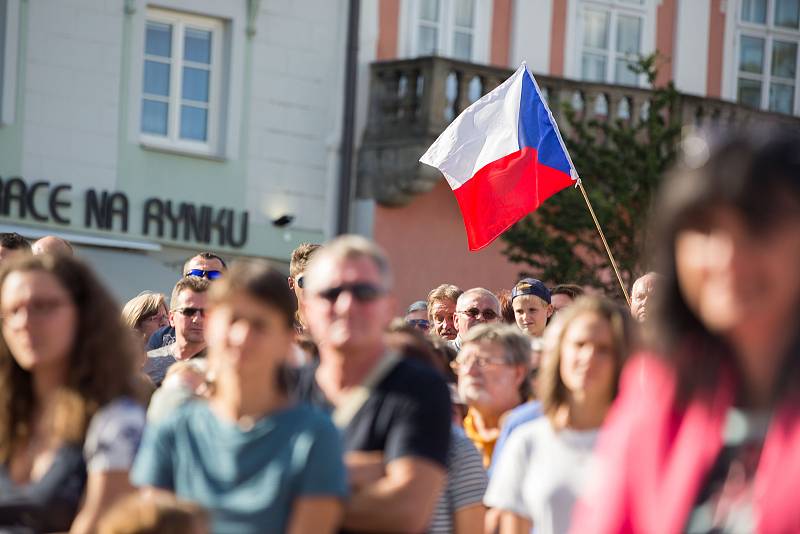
(543, 466)
(70, 421)
(146, 313)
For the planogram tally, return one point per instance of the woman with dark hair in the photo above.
(256, 460)
(69, 421)
(542, 467)
(705, 435)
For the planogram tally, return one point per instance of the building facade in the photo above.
(731, 59)
(146, 130)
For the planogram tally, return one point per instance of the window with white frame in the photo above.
(612, 35)
(445, 28)
(766, 60)
(180, 89)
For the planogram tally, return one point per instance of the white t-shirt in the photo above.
(540, 474)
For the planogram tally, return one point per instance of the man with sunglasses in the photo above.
(206, 265)
(394, 413)
(187, 316)
(475, 306)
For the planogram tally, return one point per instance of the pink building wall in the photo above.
(427, 245)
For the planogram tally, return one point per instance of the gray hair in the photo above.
(481, 292)
(349, 247)
(516, 346)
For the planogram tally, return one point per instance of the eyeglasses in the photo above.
(35, 310)
(155, 318)
(191, 312)
(481, 362)
(200, 273)
(362, 292)
(422, 324)
(474, 313)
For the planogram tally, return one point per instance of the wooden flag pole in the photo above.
(605, 243)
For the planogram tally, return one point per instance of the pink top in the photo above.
(654, 458)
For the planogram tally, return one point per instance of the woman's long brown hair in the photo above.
(101, 363)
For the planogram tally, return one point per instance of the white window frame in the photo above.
(9, 53)
(172, 140)
(770, 33)
(574, 53)
(408, 34)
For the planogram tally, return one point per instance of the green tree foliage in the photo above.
(620, 164)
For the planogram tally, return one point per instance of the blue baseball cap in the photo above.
(531, 286)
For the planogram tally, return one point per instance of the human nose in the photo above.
(343, 303)
(239, 333)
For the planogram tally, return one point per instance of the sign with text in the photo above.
(45, 202)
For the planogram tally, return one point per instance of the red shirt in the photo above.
(654, 458)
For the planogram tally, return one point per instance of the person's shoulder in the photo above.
(523, 413)
(122, 409)
(309, 415)
(161, 352)
(532, 432)
(412, 376)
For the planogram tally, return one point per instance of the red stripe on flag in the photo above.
(503, 192)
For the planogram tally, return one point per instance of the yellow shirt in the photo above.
(485, 446)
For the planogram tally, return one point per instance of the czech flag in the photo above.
(503, 156)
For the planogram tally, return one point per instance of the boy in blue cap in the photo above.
(531, 302)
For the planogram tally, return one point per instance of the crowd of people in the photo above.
(252, 402)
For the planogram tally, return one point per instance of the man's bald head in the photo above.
(51, 244)
(641, 292)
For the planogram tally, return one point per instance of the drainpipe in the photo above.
(349, 122)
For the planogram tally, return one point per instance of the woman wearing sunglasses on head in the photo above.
(69, 419)
(705, 436)
(258, 461)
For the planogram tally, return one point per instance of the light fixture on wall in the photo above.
(283, 220)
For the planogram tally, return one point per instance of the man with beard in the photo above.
(493, 368)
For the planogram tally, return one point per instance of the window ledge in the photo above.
(181, 151)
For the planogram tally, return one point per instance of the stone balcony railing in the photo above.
(412, 101)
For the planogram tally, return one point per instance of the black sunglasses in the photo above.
(362, 292)
(190, 312)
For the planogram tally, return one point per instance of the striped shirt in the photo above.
(466, 482)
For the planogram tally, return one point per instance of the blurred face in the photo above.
(531, 313)
(39, 319)
(443, 324)
(248, 337)
(419, 320)
(587, 358)
(347, 306)
(7, 253)
(188, 316)
(560, 301)
(475, 309)
(485, 380)
(640, 293)
(149, 325)
(741, 285)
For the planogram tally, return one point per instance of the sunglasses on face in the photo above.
(362, 292)
(200, 273)
(191, 312)
(474, 313)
